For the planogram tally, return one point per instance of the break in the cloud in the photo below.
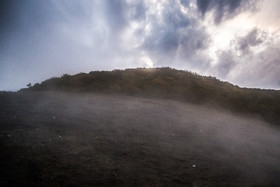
(235, 40)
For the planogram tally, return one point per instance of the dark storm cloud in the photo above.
(224, 9)
(185, 3)
(229, 5)
(175, 35)
(254, 38)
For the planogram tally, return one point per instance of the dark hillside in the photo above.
(172, 84)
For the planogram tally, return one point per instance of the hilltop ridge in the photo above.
(172, 84)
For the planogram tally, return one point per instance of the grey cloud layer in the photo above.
(174, 35)
(252, 61)
(40, 39)
(252, 39)
(263, 72)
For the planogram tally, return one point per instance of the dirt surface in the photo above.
(64, 139)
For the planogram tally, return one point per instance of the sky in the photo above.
(234, 40)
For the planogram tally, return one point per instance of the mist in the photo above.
(89, 95)
(128, 140)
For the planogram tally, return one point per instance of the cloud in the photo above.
(20, 18)
(7, 16)
(252, 60)
(254, 38)
(173, 35)
(225, 9)
(226, 63)
(114, 12)
(56, 37)
(260, 70)
(41, 39)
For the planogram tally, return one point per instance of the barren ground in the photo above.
(62, 139)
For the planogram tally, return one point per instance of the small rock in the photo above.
(59, 136)
(36, 129)
(193, 165)
(9, 135)
(53, 117)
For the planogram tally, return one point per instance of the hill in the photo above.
(88, 139)
(172, 84)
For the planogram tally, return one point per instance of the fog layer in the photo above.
(123, 140)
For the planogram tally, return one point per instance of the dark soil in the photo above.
(71, 139)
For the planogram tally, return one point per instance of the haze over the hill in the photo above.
(233, 40)
(89, 139)
(172, 84)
